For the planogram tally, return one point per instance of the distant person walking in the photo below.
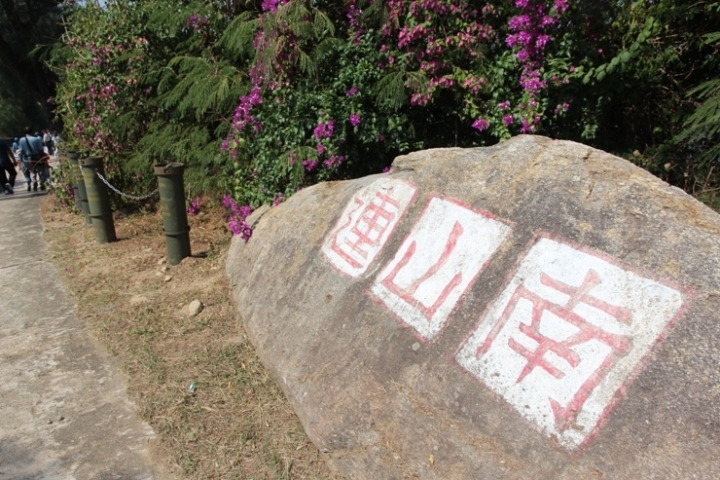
(32, 147)
(20, 155)
(48, 142)
(7, 165)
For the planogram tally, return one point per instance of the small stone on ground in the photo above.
(195, 307)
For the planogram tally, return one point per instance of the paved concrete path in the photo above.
(64, 413)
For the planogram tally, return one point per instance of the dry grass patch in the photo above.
(237, 423)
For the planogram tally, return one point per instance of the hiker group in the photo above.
(32, 151)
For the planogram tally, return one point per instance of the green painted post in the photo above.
(174, 212)
(81, 200)
(98, 200)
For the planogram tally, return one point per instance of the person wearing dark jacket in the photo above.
(7, 167)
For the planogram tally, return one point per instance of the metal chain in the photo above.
(132, 197)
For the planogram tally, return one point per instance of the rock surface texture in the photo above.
(533, 310)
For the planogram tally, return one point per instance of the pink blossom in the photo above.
(523, 56)
(269, 5)
(194, 207)
(309, 164)
(236, 219)
(526, 126)
(560, 5)
(519, 22)
(278, 199)
(334, 161)
(355, 119)
(480, 124)
(324, 130)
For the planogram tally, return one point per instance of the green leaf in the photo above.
(390, 90)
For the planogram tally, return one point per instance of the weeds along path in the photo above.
(236, 423)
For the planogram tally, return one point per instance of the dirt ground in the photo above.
(234, 423)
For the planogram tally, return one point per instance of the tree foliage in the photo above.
(266, 97)
(702, 128)
(28, 30)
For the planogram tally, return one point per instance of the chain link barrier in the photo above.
(132, 197)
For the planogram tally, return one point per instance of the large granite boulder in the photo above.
(533, 310)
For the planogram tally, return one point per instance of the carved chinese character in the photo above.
(366, 224)
(437, 263)
(564, 336)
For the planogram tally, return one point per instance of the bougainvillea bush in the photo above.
(100, 98)
(340, 88)
(263, 98)
(140, 86)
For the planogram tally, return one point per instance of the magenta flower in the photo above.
(480, 124)
(309, 164)
(320, 148)
(324, 130)
(355, 119)
(519, 22)
(352, 91)
(236, 218)
(526, 126)
(507, 120)
(194, 207)
(560, 5)
(269, 5)
(334, 161)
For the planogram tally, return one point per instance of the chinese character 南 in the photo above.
(565, 334)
